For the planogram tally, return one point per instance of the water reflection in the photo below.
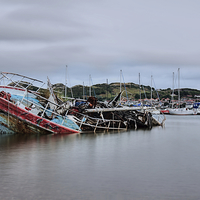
(162, 163)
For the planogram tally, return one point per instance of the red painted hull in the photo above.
(23, 121)
(164, 111)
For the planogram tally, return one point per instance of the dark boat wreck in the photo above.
(92, 115)
(24, 110)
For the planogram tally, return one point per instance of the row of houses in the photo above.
(167, 102)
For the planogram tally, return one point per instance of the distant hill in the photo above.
(109, 91)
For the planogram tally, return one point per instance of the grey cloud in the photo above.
(101, 38)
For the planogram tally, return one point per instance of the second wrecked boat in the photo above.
(92, 115)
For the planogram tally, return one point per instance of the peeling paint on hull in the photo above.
(22, 121)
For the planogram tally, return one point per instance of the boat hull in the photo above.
(23, 121)
(164, 111)
(181, 112)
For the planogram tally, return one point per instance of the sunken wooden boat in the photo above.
(24, 110)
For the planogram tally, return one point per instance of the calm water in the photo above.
(162, 163)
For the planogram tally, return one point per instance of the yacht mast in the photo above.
(83, 91)
(66, 82)
(140, 88)
(151, 89)
(120, 85)
(173, 91)
(120, 80)
(179, 87)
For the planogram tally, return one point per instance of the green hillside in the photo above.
(109, 91)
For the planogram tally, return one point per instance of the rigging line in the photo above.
(125, 86)
(156, 90)
(144, 92)
(182, 80)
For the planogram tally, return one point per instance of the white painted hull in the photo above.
(182, 111)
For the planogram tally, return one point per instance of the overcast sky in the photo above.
(38, 38)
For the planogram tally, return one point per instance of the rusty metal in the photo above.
(21, 121)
